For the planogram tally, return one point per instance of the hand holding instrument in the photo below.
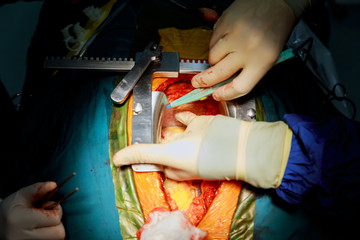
(47, 197)
(19, 219)
(148, 106)
(201, 93)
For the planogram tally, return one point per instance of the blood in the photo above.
(171, 202)
(209, 189)
(196, 210)
(49, 213)
(174, 89)
(178, 87)
(178, 90)
(39, 191)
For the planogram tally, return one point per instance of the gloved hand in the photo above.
(20, 220)
(249, 35)
(219, 147)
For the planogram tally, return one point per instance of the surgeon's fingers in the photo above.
(54, 232)
(241, 85)
(218, 73)
(180, 175)
(140, 153)
(39, 217)
(178, 154)
(36, 191)
(220, 50)
(219, 33)
(185, 117)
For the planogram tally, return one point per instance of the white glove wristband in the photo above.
(253, 152)
(264, 149)
(218, 149)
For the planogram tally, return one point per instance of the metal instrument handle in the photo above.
(123, 89)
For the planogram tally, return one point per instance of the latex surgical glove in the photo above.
(20, 220)
(219, 147)
(249, 36)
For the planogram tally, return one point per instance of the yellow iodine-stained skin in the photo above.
(218, 218)
(150, 191)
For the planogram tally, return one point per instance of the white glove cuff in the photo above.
(217, 155)
(263, 152)
(256, 153)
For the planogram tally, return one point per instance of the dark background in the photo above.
(18, 22)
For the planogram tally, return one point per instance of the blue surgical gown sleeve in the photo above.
(324, 162)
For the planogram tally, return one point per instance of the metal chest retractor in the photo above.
(148, 106)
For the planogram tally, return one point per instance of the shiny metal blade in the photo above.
(123, 89)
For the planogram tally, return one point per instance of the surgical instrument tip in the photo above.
(53, 205)
(47, 196)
